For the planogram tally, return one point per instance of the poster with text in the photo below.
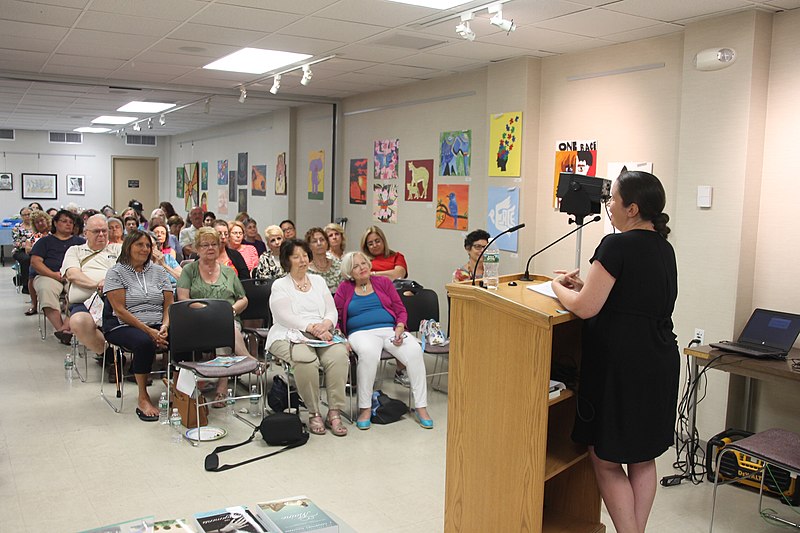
(505, 144)
(385, 203)
(316, 175)
(614, 170)
(231, 185)
(567, 154)
(204, 176)
(280, 175)
(191, 186)
(222, 172)
(419, 180)
(241, 170)
(386, 159)
(258, 180)
(242, 201)
(358, 181)
(455, 152)
(222, 202)
(180, 177)
(452, 206)
(503, 213)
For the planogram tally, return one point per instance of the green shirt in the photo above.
(227, 287)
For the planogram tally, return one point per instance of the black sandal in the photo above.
(31, 312)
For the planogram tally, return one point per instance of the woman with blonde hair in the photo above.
(336, 239)
(269, 264)
(385, 261)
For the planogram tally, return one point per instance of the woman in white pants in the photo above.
(373, 317)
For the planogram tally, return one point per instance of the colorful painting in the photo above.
(452, 206)
(242, 200)
(316, 175)
(191, 186)
(180, 177)
(419, 182)
(385, 206)
(505, 143)
(241, 171)
(222, 202)
(204, 201)
(386, 159)
(503, 213)
(232, 185)
(258, 180)
(358, 181)
(222, 172)
(280, 175)
(204, 176)
(454, 152)
(567, 153)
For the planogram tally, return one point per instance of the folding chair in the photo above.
(424, 305)
(257, 292)
(202, 325)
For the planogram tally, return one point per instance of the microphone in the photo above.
(478, 262)
(527, 275)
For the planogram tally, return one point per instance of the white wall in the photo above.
(311, 132)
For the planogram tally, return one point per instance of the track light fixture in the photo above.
(149, 123)
(497, 20)
(307, 75)
(242, 95)
(162, 120)
(276, 84)
(463, 29)
(207, 108)
(137, 126)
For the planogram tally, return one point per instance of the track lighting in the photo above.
(463, 29)
(276, 84)
(162, 120)
(307, 74)
(207, 108)
(242, 95)
(149, 123)
(137, 126)
(497, 20)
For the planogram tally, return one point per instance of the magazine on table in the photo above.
(224, 360)
(237, 519)
(298, 337)
(295, 515)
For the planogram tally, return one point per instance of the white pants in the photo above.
(368, 345)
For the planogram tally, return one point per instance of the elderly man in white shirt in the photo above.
(188, 233)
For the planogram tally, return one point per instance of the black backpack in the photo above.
(385, 409)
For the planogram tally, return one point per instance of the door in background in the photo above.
(135, 177)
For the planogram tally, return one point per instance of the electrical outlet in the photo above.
(700, 335)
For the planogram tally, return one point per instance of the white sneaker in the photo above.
(401, 378)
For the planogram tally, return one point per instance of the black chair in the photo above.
(257, 311)
(423, 304)
(203, 325)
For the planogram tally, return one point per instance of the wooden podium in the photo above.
(511, 465)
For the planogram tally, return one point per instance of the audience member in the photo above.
(35, 205)
(208, 219)
(108, 211)
(188, 233)
(322, 263)
(289, 232)
(252, 237)
(116, 231)
(269, 263)
(169, 211)
(474, 244)
(336, 239)
(22, 235)
(131, 223)
(41, 223)
(165, 260)
(52, 212)
(175, 224)
(247, 251)
(228, 256)
(385, 261)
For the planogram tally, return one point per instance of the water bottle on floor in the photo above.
(69, 364)
(491, 268)
(254, 411)
(163, 409)
(231, 403)
(175, 424)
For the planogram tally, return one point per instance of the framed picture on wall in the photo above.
(6, 181)
(39, 186)
(76, 184)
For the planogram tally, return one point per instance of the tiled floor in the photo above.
(67, 462)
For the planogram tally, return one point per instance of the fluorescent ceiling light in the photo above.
(145, 107)
(114, 119)
(256, 60)
(435, 4)
(90, 129)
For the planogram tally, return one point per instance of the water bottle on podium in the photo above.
(491, 268)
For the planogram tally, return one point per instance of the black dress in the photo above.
(630, 366)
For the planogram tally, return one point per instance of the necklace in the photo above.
(212, 269)
(324, 266)
(364, 287)
(303, 286)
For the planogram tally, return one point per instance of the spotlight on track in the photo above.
(276, 84)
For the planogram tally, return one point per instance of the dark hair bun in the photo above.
(660, 224)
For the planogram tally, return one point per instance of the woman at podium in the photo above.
(630, 366)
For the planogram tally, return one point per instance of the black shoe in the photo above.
(146, 418)
(64, 337)
(25, 289)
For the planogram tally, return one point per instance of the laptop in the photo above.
(767, 335)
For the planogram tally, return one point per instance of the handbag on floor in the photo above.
(278, 393)
(385, 409)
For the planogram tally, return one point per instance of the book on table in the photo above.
(237, 519)
(295, 515)
(177, 525)
(137, 525)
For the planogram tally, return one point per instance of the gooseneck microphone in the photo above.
(527, 275)
(478, 262)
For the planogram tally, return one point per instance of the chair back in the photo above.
(258, 292)
(200, 325)
(422, 305)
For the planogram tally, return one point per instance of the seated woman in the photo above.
(140, 295)
(329, 267)
(41, 224)
(474, 244)
(116, 230)
(252, 237)
(247, 251)
(207, 278)
(385, 261)
(373, 317)
(302, 302)
(269, 263)
(162, 255)
(336, 239)
(228, 256)
(22, 235)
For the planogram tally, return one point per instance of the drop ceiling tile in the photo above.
(245, 18)
(672, 11)
(595, 23)
(144, 67)
(479, 51)
(378, 12)
(644, 33)
(10, 28)
(341, 64)
(400, 71)
(194, 48)
(331, 30)
(78, 4)
(524, 13)
(86, 61)
(77, 71)
(116, 22)
(39, 13)
(368, 79)
(187, 60)
(436, 62)
(107, 50)
(96, 38)
(300, 45)
(304, 7)
(784, 4)
(532, 38)
(374, 53)
(216, 34)
(577, 44)
(26, 43)
(172, 10)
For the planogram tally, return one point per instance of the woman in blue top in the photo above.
(373, 317)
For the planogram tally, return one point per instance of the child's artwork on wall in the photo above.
(180, 177)
(241, 171)
(204, 176)
(452, 206)
(567, 160)
(503, 213)
(242, 200)
(232, 185)
(316, 175)
(358, 181)
(204, 201)
(280, 175)
(258, 180)
(454, 152)
(505, 143)
(385, 198)
(191, 186)
(386, 159)
(222, 172)
(222, 202)
(419, 182)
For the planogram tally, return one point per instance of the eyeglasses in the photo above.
(207, 245)
(99, 231)
(478, 247)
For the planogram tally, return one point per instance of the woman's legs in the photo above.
(144, 352)
(368, 347)
(628, 497)
(306, 370)
(410, 354)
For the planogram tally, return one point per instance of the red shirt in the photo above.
(381, 263)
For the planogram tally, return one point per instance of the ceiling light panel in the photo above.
(145, 107)
(89, 129)
(256, 60)
(434, 4)
(113, 119)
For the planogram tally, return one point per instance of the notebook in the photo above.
(767, 334)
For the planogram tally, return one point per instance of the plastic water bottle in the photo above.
(175, 424)
(254, 411)
(163, 409)
(69, 364)
(231, 403)
(491, 268)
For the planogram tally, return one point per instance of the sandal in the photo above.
(219, 401)
(31, 312)
(334, 423)
(315, 424)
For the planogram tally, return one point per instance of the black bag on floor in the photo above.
(277, 396)
(385, 409)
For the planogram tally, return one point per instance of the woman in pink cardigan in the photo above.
(373, 317)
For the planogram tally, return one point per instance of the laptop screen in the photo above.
(771, 328)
